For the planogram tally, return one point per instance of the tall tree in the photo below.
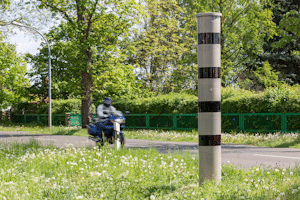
(159, 47)
(244, 24)
(64, 53)
(115, 78)
(12, 66)
(281, 51)
(91, 25)
(12, 76)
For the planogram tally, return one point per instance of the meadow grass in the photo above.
(290, 140)
(31, 171)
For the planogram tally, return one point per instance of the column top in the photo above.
(208, 14)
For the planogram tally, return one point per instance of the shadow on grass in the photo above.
(165, 189)
(288, 144)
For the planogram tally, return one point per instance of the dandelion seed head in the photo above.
(294, 191)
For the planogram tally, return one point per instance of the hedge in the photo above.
(234, 100)
(170, 103)
(272, 100)
(58, 107)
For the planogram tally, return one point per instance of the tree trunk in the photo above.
(87, 100)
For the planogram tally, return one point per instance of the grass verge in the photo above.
(31, 171)
(290, 140)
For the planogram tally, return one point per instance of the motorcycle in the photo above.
(109, 130)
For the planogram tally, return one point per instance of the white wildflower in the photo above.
(294, 191)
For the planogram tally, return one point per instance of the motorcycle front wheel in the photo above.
(122, 138)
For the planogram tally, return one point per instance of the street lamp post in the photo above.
(49, 70)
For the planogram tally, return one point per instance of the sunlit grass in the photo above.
(30, 171)
(54, 130)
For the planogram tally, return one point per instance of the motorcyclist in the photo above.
(103, 112)
(105, 109)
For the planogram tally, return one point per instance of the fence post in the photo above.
(68, 119)
(285, 122)
(147, 121)
(174, 121)
(241, 121)
(282, 122)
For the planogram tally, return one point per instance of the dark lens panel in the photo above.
(209, 140)
(209, 38)
(209, 72)
(209, 106)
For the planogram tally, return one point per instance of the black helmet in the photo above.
(107, 101)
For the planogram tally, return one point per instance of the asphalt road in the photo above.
(244, 156)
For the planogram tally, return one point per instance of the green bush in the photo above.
(58, 107)
(169, 103)
(234, 100)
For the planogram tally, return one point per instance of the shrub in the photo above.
(234, 100)
(169, 103)
(58, 107)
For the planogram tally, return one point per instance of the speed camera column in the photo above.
(209, 96)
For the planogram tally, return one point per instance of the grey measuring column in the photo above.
(209, 96)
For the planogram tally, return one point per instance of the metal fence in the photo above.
(250, 122)
(41, 119)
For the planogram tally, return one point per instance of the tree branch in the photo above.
(90, 19)
(233, 20)
(60, 10)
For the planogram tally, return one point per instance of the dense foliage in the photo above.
(144, 52)
(58, 107)
(12, 76)
(283, 99)
(169, 103)
(87, 42)
(282, 51)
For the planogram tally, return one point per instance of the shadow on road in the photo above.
(164, 148)
(66, 132)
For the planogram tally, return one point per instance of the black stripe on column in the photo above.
(209, 140)
(209, 72)
(209, 106)
(209, 38)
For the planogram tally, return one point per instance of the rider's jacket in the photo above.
(102, 110)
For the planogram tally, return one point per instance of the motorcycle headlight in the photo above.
(119, 120)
